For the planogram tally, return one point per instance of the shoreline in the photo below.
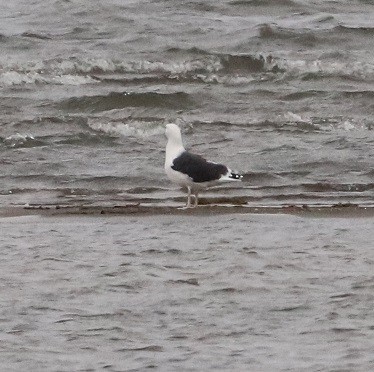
(333, 211)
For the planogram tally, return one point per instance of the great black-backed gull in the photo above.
(190, 170)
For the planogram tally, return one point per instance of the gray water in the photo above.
(167, 293)
(279, 90)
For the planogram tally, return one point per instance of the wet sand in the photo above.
(347, 210)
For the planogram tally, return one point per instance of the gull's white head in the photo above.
(173, 132)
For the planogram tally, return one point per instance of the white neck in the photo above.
(174, 148)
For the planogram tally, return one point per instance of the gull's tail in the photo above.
(235, 176)
(231, 176)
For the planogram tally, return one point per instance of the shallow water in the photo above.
(280, 90)
(225, 292)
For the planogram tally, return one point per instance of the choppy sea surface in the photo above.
(279, 90)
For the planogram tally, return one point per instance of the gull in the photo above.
(192, 171)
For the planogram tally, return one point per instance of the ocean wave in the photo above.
(139, 129)
(186, 66)
(18, 140)
(322, 68)
(273, 31)
(115, 100)
(303, 94)
(11, 78)
(309, 36)
(191, 65)
(363, 31)
(88, 66)
(293, 123)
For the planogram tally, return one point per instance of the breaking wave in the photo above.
(134, 128)
(190, 65)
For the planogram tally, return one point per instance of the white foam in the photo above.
(11, 78)
(329, 124)
(72, 80)
(295, 117)
(18, 139)
(328, 67)
(133, 129)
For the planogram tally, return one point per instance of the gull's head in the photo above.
(173, 132)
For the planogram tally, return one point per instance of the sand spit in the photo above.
(337, 210)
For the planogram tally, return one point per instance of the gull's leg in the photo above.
(196, 197)
(188, 205)
(188, 197)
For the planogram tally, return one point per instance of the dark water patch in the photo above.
(86, 139)
(263, 3)
(187, 51)
(369, 173)
(274, 32)
(201, 6)
(191, 281)
(236, 200)
(250, 251)
(92, 190)
(340, 143)
(328, 187)
(278, 149)
(200, 61)
(273, 177)
(362, 31)
(367, 284)
(64, 320)
(343, 330)
(290, 308)
(232, 63)
(308, 76)
(296, 96)
(295, 125)
(143, 190)
(56, 259)
(153, 251)
(48, 121)
(359, 94)
(125, 286)
(35, 35)
(225, 290)
(245, 62)
(319, 165)
(308, 198)
(291, 125)
(349, 74)
(151, 348)
(114, 100)
(259, 177)
(174, 251)
(342, 296)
